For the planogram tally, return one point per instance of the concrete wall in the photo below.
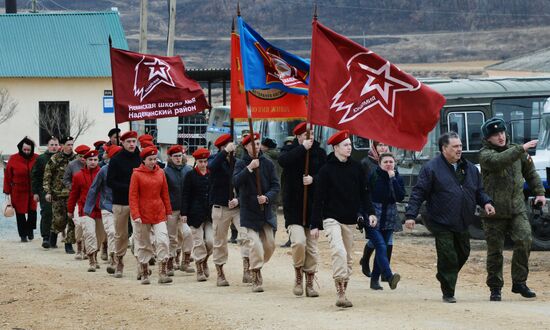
(83, 94)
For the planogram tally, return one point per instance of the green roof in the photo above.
(68, 44)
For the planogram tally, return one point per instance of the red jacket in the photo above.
(17, 183)
(149, 198)
(79, 191)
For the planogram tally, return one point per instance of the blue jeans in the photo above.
(380, 239)
(390, 242)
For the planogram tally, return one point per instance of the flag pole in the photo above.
(308, 136)
(114, 103)
(232, 133)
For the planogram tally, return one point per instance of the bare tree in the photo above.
(58, 122)
(8, 105)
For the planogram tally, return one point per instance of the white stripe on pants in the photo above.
(143, 244)
(261, 245)
(93, 233)
(109, 226)
(222, 217)
(340, 238)
(304, 249)
(203, 240)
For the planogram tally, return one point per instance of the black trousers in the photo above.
(26, 224)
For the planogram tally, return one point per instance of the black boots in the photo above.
(53, 240)
(523, 289)
(69, 248)
(365, 260)
(46, 242)
(449, 299)
(495, 294)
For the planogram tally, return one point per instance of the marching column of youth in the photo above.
(181, 238)
(387, 188)
(57, 194)
(37, 178)
(92, 226)
(120, 171)
(196, 212)
(341, 199)
(255, 211)
(149, 208)
(451, 187)
(505, 167)
(17, 187)
(225, 208)
(305, 254)
(100, 190)
(72, 168)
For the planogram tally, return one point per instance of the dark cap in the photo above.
(114, 131)
(492, 126)
(270, 143)
(64, 139)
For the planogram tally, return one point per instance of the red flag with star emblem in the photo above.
(353, 88)
(149, 87)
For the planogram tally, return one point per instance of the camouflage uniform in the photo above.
(37, 178)
(503, 170)
(53, 184)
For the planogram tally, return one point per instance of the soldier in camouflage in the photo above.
(504, 168)
(37, 179)
(56, 193)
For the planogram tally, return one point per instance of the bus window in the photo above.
(468, 126)
(360, 143)
(522, 115)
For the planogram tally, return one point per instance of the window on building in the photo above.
(150, 127)
(53, 120)
(468, 126)
(192, 131)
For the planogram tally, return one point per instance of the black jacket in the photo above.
(341, 193)
(221, 176)
(450, 205)
(251, 215)
(175, 176)
(292, 159)
(119, 174)
(194, 203)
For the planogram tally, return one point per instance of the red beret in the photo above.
(149, 151)
(113, 150)
(99, 143)
(174, 150)
(300, 128)
(201, 153)
(128, 135)
(82, 149)
(145, 137)
(338, 137)
(91, 153)
(248, 138)
(146, 143)
(223, 140)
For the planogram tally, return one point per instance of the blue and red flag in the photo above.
(268, 67)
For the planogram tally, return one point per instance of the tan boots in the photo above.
(119, 267)
(310, 291)
(221, 276)
(79, 254)
(201, 277)
(170, 266)
(186, 263)
(145, 272)
(257, 280)
(91, 267)
(298, 279)
(112, 264)
(341, 300)
(247, 277)
(163, 269)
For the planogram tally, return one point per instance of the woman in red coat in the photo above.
(149, 209)
(17, 187)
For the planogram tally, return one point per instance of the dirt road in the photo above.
(49, 289)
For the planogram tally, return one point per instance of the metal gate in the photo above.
(192, 132)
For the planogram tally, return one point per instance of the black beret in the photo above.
(493, 126)
(114, 131)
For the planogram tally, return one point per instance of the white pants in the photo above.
(143, 244)
(203, 240)
(93, 233)
(340, 239)
(109, 226)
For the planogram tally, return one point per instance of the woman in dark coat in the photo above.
(17, 187)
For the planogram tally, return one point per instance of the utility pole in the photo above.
(171, 27)
(143, 27)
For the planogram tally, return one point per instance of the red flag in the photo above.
(353, 88)
(264, 104)
(149, 87)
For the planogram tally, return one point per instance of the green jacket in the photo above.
(53, 175)
(37, 173)
(504, 171)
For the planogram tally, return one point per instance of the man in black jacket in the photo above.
(118, 179)
(195, 211)
(451, 186)
(341, 200)
(255, 209)
(225, 206)
(305, 254)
